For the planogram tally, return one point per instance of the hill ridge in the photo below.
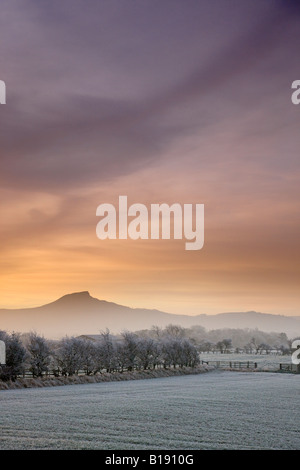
(79, 313)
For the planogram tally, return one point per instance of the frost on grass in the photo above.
(219, 410)
(103, 377)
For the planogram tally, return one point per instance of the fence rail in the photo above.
(251, 365)
(224, 365)
(232, 364)
(290, 368)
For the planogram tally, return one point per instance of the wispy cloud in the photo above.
(164, 101)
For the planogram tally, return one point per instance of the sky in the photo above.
(166, 101)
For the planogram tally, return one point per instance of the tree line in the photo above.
(108, 353)
(228, 340)
(172, 346)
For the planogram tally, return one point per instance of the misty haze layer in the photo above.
(79, 314)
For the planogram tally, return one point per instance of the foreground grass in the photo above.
(104, 377)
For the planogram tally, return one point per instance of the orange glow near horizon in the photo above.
(245, 264)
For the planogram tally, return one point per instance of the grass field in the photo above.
(217, 410)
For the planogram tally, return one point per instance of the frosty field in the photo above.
(215, 410)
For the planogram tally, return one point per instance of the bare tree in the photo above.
(179, 352)
(121, 356)
(205, 346)
(171, 348)
(130, 343)
(15, 357)
(255, 345)
(227, 344)
(88, 356)
(156, 331)
(40, 354)
(107, 351)
(69, 356)
(174, 331)
(190, 356)
(147, 353)
(220, 346)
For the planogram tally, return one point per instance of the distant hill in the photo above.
(79, 313)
